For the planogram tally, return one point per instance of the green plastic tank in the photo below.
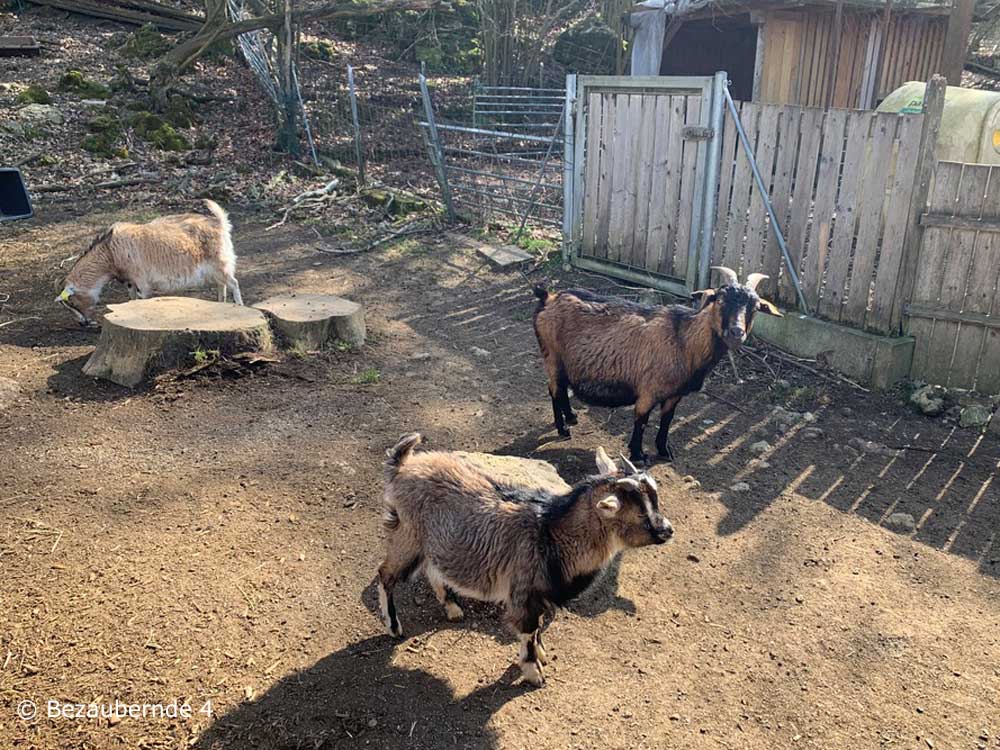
(970, 123)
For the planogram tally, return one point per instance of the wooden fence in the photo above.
(841, 182)
(954, 311)
(639, 180)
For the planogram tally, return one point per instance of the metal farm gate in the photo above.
(641, 153)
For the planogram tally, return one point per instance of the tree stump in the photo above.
(309, 321)
(145, 336)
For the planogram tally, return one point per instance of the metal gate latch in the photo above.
(696, 133)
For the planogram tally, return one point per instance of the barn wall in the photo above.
(798, 52)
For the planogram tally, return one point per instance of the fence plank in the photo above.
(688, 176)
(847, 205)
(814, 263)
(730, 154)
(672, 193)
(784, 165)
(742, 181)
(977, 297)
(802, 195)
(610, 112)
(984, 295)
(619, 167)
(634, 137)
(932, 262)
(956, 273)
(879, 317)
(656, 232)
(592, 172)
(753, 256)
(871, 215)
(647, 146)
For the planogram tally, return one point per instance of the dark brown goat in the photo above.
(617, 353)
(515, 544)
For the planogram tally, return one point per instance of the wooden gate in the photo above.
(954, 312)
(639, 156)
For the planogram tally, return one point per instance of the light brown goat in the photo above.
(518, 545)
(617, 353)
(168, 254)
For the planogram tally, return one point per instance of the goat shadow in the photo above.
(357, 698)
(573, 464)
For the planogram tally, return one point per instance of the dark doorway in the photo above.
(700, 48)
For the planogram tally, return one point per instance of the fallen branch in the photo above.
(140, 13)
(831, 376)
(28, 159)
(62, 187)
(310, 198)
(408, 230)
(19, 320)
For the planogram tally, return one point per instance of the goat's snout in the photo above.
(661, 530)
(736, 334)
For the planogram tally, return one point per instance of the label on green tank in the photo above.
(913, 107)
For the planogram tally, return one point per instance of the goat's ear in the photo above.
(766, 307)
(703, 297)
(609, 506)
(604, 463)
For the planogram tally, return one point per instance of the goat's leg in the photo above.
(234, 287)
(562, 394)
(539, 646)
(557, 391)
(642, 409)
(525, 616)
(222, 292)
(132, 292)
(444, 595)
(398, 566)
(667, 408)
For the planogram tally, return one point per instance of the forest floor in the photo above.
(214, 539)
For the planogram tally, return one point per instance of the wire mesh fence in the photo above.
(504, 158)
(501, 148)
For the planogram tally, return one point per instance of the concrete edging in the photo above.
(879, 361)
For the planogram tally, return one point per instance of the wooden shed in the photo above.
(826, 53)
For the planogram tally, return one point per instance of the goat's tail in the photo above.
(399, 453)
(226, 252)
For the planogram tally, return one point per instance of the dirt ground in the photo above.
(214, 540)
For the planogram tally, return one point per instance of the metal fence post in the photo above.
(764, 196)
(569, 169)
(357, 126)
(436, 154)
(713, 154)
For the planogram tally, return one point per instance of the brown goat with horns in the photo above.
(516, 544)
(617, 353)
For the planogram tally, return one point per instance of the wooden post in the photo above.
(880, 57)
(838, 28)
(956, 40)
(926, 166)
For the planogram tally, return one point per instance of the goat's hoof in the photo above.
(638, 458)
(563, 432)
(571, 419)
(540, 654)
(665, 453)
(453, 612)
(396, 630)
(531, 672)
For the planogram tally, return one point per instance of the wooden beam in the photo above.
(124, 15)
(944, 221)
(838, 28)
(19, 46)
(926, 166)
(934, 313)
(956, 40)
(881, 56)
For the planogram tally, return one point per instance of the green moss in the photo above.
(145, 122)
(105, 123)
(102, 144)
(34, 94)
(74, 82)
(396, 204)
(179, 112)
(166, 138)
(145, 43)
(319, 49)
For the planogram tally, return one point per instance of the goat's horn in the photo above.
(628, 464)
(754, 279)
(728, 275)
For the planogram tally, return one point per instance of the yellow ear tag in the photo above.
(65, 295)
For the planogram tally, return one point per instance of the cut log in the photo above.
(142, 337)
(518, 471)
(310, 321)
